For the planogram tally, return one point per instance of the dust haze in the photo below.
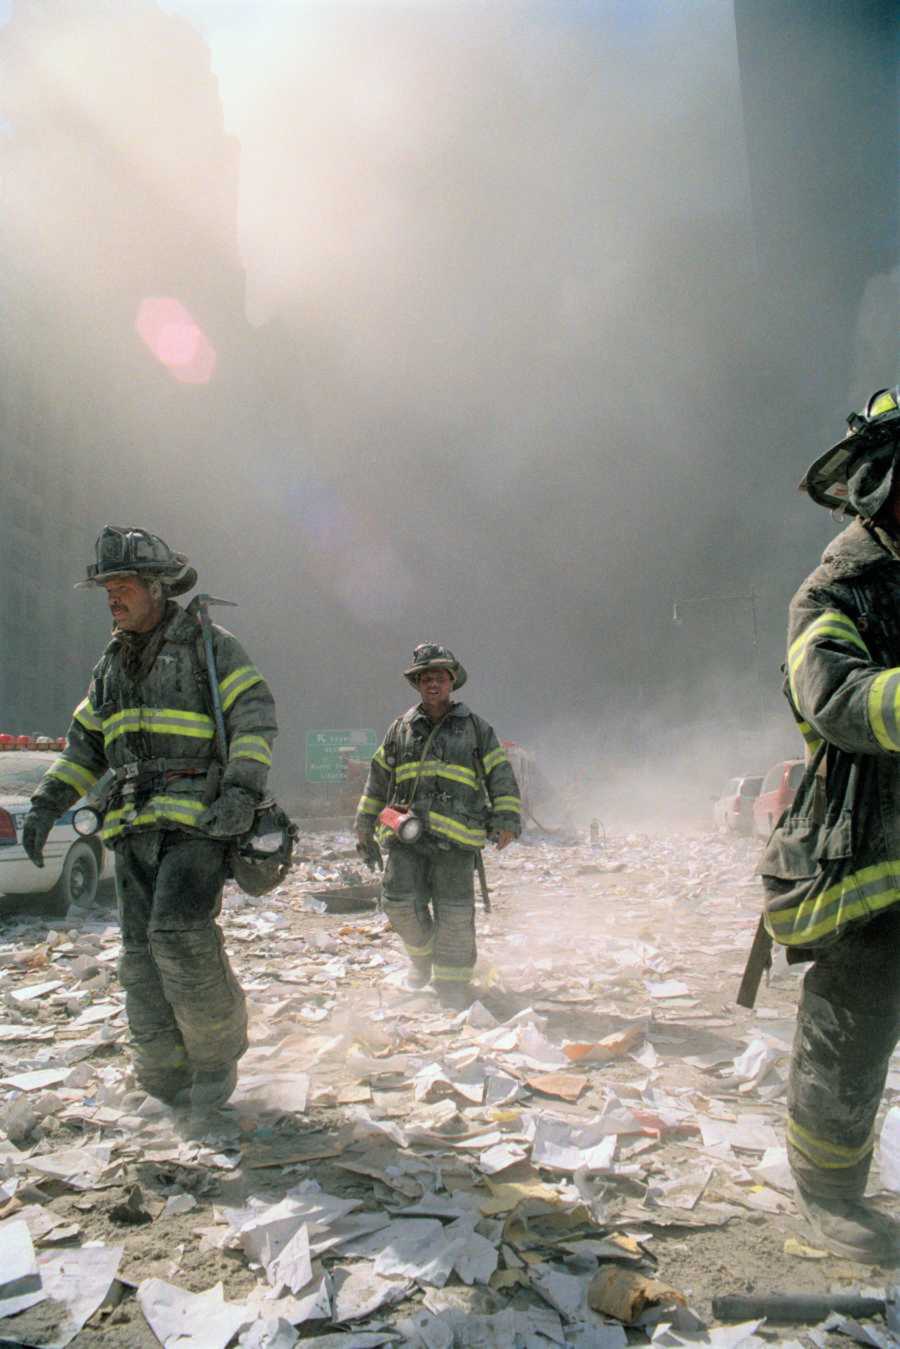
(501, 358)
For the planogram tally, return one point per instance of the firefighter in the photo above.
(443, 764)
(833, 876)
(171, 812)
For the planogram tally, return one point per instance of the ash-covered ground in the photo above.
(590, 1153)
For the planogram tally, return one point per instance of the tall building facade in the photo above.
(119, 190)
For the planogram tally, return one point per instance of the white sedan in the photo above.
(73, 866)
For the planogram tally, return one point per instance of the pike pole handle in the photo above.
(215, 695)
(482, 881)
(801, 1308)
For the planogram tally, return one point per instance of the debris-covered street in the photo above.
(595, 1144)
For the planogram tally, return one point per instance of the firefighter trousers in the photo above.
(848, 1025)
(186, 1011)
(429, 897)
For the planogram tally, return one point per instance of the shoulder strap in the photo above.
(479, 761)
(423, 756)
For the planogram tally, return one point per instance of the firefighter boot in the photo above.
(453, 995)
(851, 1228)
(418, 975)
(172, 1087)
(212, 1089)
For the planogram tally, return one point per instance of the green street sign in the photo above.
(324, 760)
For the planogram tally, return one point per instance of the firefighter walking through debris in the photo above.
(171, 814)
(442, 766)
(831, 869)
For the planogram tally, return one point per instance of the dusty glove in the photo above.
(370, 853)
(38, 823)
(230, 815)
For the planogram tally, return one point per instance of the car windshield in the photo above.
(751, 786)
(22, 770)
(796, 775)
(773, 778)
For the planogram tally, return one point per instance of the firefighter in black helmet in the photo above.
(831, 869)
(172, 813)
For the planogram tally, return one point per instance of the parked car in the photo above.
(733, 810)
(73, 866)
(777, 792)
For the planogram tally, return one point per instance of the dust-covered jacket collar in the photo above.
(179, 626)
(856, 550)
(456, 710)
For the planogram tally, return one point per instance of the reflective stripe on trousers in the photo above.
(429, 898)
(848, 1025)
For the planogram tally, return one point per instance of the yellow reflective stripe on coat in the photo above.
(832, 623)
(883, 707)
(184, 810)
(85, 715)
(455, 831)
(238, 682)
(157, 721)
(370, 805)
(378, 757)
(510, 805)
(857, 896)
(436, 768)
(493, 758)
(251, 747)
(811, 738)
(73, 775)
(822, 1152)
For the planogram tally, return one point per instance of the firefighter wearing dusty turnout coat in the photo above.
(832, 867)
(446, 764)
(172, 812)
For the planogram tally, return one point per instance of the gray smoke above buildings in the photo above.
(500, 357)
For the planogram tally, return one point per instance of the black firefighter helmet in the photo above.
(130, 551)
(261, 859)
(856, 475)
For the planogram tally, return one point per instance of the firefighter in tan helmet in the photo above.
(439, 787)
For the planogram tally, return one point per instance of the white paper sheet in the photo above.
(183, 1320)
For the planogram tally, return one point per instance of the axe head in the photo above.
(200, 603)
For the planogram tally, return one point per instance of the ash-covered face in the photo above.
(133, 605)
(435, 687)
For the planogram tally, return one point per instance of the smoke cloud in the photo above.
(493, 353)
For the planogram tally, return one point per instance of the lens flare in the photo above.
(175, 338)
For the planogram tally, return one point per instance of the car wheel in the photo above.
(79, 880)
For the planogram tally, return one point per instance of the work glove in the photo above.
(370, 853)
(38, 823)
(230, 815)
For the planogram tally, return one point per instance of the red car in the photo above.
(777, 792)
(733, 810)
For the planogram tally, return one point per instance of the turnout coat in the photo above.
(157, 735)
(465, 789)
(834, 858)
